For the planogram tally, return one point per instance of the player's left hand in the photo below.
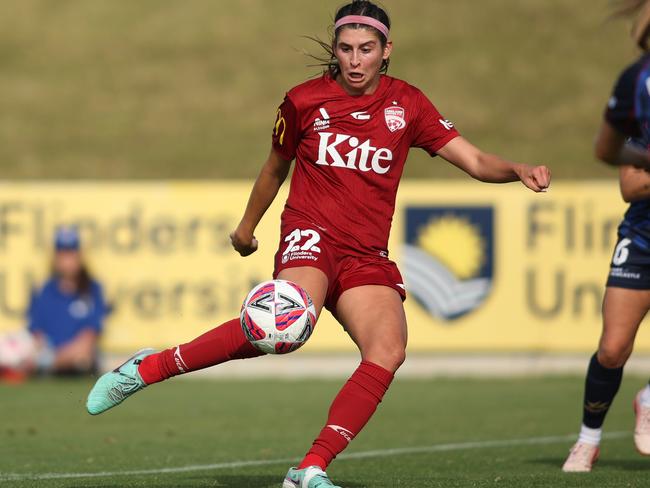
(537, 178)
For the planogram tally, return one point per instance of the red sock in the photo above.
(216, 346)
(350, 411)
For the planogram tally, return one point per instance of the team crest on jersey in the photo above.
(448, 258)
(394, 117)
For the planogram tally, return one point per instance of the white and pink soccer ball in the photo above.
(278, 316)
(17, 350)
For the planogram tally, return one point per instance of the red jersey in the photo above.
(350, 153)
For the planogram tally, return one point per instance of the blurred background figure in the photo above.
(65, 319)
(66, 315)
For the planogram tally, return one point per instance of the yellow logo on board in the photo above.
(456, 242)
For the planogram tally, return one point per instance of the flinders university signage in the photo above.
(487, 267)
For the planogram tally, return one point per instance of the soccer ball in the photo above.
(278, 317)
(17, 350)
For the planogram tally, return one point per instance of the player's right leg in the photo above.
(219, 345)
(623, 311)
(216, 346)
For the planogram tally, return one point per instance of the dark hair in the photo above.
(83, 280)
(356, 7)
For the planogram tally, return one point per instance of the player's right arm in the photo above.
(286, 135)
(273, 173)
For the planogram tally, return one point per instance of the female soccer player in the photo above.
(350, 132)
(623, 140)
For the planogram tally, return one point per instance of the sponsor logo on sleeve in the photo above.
(280, 127)
(446, 124)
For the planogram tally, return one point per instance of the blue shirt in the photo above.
(628, 111)
(61, 316)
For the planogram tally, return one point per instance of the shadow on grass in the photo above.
(216, 481)
(638, 464)
(261, 481)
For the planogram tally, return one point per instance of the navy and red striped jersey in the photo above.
(628, 111)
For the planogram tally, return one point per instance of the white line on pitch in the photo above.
(457, 446)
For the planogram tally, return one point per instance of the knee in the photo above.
(612, 355)
(396, 358)
(389, 357)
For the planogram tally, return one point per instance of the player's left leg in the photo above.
(374, 317)
(623, 311)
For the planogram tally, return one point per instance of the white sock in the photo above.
(645, 396)
(590, 436)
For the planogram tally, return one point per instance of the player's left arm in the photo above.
(491, 168)
(611, 148)
(634, 183)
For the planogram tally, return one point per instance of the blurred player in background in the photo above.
(66, 316)
(350, 132)
(623, 140)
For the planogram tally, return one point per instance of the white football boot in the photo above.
(311, 477)
(642, 427)
(581, 458)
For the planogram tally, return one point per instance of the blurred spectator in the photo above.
(66, 315)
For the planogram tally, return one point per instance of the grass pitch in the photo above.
(44, 429)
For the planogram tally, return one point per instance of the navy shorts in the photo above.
(630, 267)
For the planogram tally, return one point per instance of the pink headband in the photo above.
(362, 19)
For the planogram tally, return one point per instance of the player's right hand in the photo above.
(243, 242)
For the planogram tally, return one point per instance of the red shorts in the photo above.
(303, 244)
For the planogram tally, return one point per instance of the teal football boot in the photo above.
(116, 386)
(311, 477)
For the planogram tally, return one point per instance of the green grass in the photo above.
(43, 429)
(168, 89)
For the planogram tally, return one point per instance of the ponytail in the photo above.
(640, 10)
